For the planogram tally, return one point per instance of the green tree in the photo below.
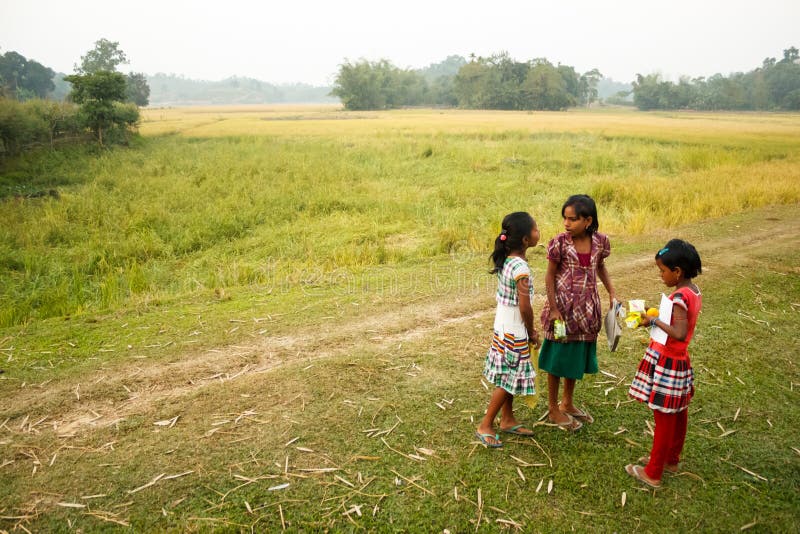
(649, 92)
(377, 85)
(106, 56)
(572, 81)
(790, 55)
(792, 100)
(758, 90)
(783, 79)
(361, 85)
(546, 87)
(38, 79)
(23, 78)
(506, 88)
(97, 95)
(587, 86)
(137, 89)
(12, 72)
(441, 92)
(472, 83)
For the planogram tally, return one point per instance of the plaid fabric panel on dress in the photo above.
(576, 287)
(513, 269)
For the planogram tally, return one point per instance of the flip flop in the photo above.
(637, 472)
(581, 415)
(515, 430)
(572, 425)
(669, 468)
(496, 437)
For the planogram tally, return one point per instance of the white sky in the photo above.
(305, 41)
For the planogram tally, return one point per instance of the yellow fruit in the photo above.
(652, 312)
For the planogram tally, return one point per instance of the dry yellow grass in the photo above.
(292, 120)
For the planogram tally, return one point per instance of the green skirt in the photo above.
(568, 360)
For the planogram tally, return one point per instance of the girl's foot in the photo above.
(489, 439)
(519, 430)
(564, 421)
(512, 426)
(581, 415)
(671, 468)
(637, 472)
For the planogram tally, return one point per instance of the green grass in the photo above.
(176, 216)
(344, 276)
(329, 405)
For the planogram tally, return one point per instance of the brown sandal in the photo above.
(637, 472)
(581, 415)
(572, 424)
(669, 468)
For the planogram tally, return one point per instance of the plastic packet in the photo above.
(559, 329)
(635, 311)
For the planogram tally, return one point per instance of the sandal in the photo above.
(637, 472)
(516, 431)
(581, 415)
(572, 425)
(669, 468)
(483, 439)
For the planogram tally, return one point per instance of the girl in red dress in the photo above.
(664, 379)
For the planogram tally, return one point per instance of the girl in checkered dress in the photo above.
(664, 379)
(508, 362)
(576, 260)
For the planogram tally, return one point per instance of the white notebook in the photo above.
(665, 314)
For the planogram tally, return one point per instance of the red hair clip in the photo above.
(503, 237)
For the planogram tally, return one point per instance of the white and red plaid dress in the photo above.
(665, 379)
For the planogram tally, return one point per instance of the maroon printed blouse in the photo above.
(576, 287)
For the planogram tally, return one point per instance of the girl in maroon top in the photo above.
(665, 380)
(576, 261)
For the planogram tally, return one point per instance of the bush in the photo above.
(35, 122)
(19, 127)
(61, 118)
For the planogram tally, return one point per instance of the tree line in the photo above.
(101, 101)
(494, 82)
(775, 85)
(500, 82)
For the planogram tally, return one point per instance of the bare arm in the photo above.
(679, 327)
(550, 288)
(526, 309)
(602, 273)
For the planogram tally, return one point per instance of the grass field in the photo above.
(251, 297)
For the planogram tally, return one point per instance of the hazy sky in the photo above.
(305, 41)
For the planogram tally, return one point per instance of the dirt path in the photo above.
(85, 402)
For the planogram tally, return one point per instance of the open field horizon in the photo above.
(265, 318)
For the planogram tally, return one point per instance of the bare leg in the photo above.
(567, 403)
(496, 402)
(507, 419)
(555, 414)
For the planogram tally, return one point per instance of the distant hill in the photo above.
(607, 87)
(174, 90)
(447, 67)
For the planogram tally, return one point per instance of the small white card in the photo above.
(665, 314)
